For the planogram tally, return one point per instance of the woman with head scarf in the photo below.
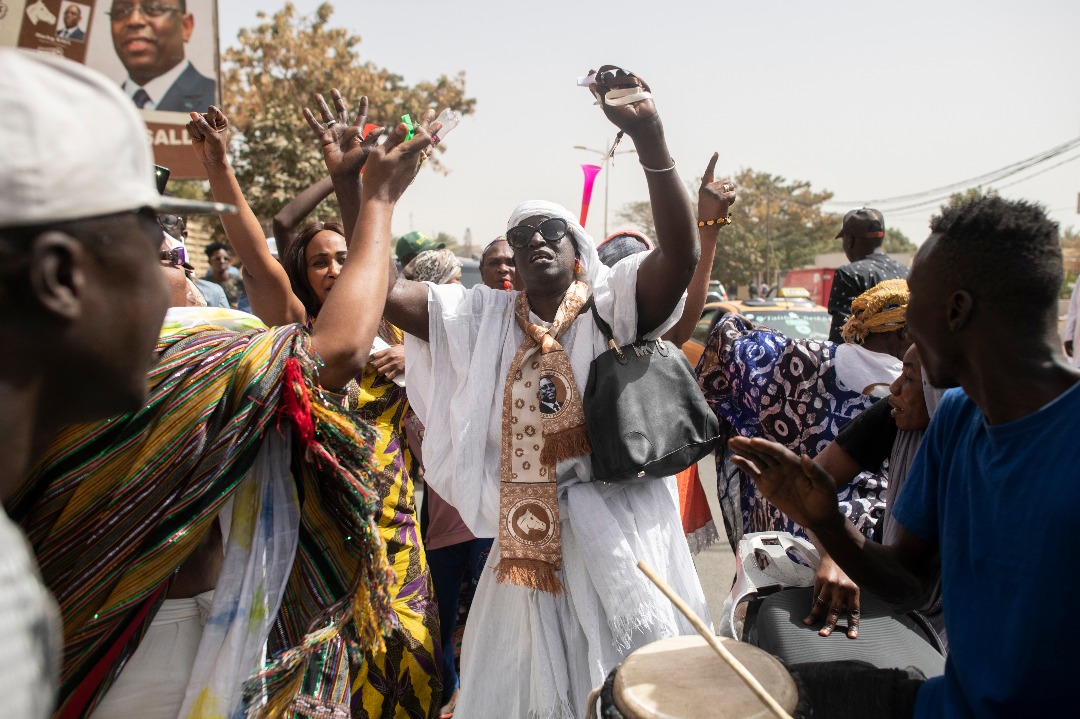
(799, 393)
(564, 603)
(439, 266)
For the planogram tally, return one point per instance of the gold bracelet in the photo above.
(721, 222)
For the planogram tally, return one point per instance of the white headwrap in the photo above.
(593, 270)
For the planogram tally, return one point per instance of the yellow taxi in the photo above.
(791, 312)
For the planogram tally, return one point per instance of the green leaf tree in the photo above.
(272, 73)
(777, 225)
(896, 241)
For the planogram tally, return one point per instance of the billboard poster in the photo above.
(162, 53)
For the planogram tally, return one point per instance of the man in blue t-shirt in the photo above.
(993, 493)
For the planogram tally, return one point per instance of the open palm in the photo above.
(797, 486)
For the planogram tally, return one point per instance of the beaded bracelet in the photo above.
(721, 222)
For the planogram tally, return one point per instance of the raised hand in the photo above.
(797, 486)
(632, 118)
(715, 197)
(209, 133)
(344, 147)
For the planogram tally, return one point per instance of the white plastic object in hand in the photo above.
(449, 119)
(378, 346)
(626, 96)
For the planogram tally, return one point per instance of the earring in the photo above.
(577, 267)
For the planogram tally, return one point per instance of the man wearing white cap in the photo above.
(81, 299)
(172, 595)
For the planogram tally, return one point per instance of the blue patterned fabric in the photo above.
(761, 383)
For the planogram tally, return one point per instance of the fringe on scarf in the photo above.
(572, 442)
(361, 619)
(530, 573)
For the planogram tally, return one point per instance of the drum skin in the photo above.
(684, 678)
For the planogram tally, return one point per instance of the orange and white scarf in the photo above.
(543, 423)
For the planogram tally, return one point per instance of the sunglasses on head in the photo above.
(177, 256)
(552, 230)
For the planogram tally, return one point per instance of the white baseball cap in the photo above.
(72, 146)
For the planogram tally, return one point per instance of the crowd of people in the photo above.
(209, 486)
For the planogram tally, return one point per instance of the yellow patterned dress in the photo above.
(404, 682)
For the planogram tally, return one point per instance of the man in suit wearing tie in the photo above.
(149, 37)
(71, 29)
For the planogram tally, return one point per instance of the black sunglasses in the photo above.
(552, 230)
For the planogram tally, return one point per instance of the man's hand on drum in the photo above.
(798, 486)
(834, 593)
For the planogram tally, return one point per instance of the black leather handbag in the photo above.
(645, 413)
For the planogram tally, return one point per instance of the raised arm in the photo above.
(715, 197)
(291, 215)
(664, 275)
(265, 281)
(901, 573)
(349, 318)
(406, 301)
(407, 304)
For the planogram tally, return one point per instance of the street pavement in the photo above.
(715, 565)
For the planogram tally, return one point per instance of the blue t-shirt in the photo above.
(1002, 504)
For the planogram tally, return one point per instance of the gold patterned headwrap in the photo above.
(880, 309)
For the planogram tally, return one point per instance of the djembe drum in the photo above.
(683, 678)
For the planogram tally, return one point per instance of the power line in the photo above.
(920, 206)
(986, 178)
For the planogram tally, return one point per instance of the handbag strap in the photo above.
(605, 328)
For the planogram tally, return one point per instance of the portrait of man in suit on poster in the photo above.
(149, 37)
(71, 23)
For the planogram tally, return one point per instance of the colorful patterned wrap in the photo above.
(761, 383)
(404, 680)
(116, 506)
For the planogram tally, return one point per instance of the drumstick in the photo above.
(714, 641)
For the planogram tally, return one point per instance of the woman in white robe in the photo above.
(528, 652)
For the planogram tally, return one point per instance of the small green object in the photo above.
(409, 124)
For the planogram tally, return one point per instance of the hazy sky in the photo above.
(866, 99)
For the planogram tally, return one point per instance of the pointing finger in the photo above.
(708, 177)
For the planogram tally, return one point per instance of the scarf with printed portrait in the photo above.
(543, 423)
